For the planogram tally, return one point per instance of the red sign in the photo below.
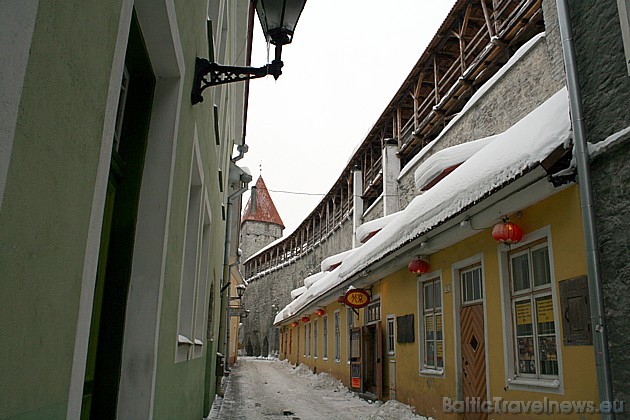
(357, 298)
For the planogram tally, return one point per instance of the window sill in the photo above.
(432, 372)
(182, 340)
(527, 384)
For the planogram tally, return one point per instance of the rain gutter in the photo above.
(600, 339)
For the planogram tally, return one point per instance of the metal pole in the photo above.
(600, 340)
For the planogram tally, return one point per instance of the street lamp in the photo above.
(240, 290)
(278, 19)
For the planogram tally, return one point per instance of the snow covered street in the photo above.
(271, 389)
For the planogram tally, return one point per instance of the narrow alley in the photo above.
(273, 389)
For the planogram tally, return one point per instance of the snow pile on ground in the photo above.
(302, 370)
(394, 410)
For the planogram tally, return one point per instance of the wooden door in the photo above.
(356, 382)
(473, 356)
(379, 361)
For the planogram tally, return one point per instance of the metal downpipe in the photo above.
(600, 340)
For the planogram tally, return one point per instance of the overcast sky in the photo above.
(347, 60)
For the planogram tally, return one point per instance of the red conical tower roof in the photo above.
(265, 209)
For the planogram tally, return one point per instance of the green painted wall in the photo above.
(46, 210)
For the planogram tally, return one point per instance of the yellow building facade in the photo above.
(487, 322)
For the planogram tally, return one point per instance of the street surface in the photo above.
(271, 389)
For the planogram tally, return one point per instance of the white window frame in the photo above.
(309, 339)
(512, 379)
(315, 326)
(337, 335)
(194, 273)
(624, 19)
(424, 369)
(304, 346)
(325, 337)
(391, 334)
(369, 309)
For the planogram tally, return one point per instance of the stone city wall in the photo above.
(275, 288)
(532, 80)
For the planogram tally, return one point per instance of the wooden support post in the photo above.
(435, 78)
(486, 15)
(398, 126)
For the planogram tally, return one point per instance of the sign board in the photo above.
(357, 298)
(355, 375)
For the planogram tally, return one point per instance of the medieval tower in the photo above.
(261, 224)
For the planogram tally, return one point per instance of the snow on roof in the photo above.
(372, 226)
(308, 282)
(297, 292)
(510, 155)
(473, 100)
(335, 260)
(265, 209)
(595, 149)
(446, 158)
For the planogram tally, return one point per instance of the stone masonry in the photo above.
(605, 88)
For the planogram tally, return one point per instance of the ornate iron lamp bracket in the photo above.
(212, 74)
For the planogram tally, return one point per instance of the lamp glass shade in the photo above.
(507, 232)
(418, 266)
(278, 19)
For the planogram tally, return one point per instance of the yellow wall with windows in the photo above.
(398, 294)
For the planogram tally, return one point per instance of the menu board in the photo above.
(523, 313)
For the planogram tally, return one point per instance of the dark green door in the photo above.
(104, 359)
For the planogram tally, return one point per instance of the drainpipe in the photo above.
(600, 340)
(244, 180)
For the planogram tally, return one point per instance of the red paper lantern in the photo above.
(320, 312)
(341, 299)
(507, 232)
(294, 324)
(305, 319)
(418, 266)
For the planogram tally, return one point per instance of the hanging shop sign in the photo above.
(357, 298)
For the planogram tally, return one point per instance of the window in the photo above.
(532, 311)
(315, 338)
(350, 324)
(325, 337)
(337, 337)
(194, 275)
(122, 102)
(373, 313)
(472, 290)
(432, 341)
(308, 346)
(624, 19)
(304, 343)
(391, 338)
